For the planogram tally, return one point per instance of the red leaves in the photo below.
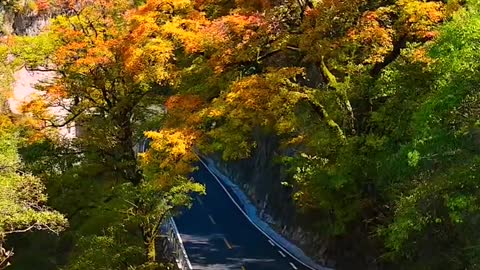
(185, 103)
(256, 5)
(183, 108)
(235, 38)
(43, 6)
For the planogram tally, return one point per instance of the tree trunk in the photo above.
(126, 156)
(151, 249)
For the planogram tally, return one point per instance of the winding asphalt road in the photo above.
(217, 236)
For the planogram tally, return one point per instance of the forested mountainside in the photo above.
(359, 118)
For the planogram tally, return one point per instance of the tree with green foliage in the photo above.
(109, 72)
(373, 104)
(23, 202)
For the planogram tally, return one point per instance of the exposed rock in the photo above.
(260, 178)
(23, 23)
(6, 21)
(29, 25)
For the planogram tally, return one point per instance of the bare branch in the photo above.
(68, 121)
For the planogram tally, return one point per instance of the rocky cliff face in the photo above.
(20, 23)
(29, 25)
(260, 177)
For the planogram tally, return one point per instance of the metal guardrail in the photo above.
(176, 244)
(169, 228)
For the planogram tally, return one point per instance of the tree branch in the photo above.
(75, 116)
(40, 69)
(400, 44)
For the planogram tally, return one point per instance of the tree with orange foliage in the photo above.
(43, 5)
(112, 60)
(344, 87)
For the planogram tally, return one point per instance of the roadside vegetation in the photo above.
(374, 103)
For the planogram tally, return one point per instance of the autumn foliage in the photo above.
(358, 99)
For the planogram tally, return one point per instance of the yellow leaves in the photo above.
(100, 54)
(35, 114)
(171, 151)
(252, 92)
(370, 32)
(420, 55)
(183, 104)
(67, 53)
(36, 106)
(187, 32)
(338, 29)
(57, 91)
(330, 17)
(5, 124)
(182, 109)
(215, 113)
(234, 38)
(421, 17)
(297, 140)
(166, 5)
(174, 142)
(150, 61)
(269, 101)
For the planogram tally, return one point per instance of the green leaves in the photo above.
(35, 51)
(413, 158)
(22, 197)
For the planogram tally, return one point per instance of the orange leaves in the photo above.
(100, 54)
(341, 30)
(66, 4)
(184, 103)
(42, 5)
(421, 17)
(267, 100)
(371, 33)
(151, 61)
(229, 39)
(57, 91)
(106, 36)
(187, 31)
(182, 109)
(168, 6)
(256, 5)
(235, 38)
(68, 52)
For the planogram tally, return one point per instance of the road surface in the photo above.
(217, 236)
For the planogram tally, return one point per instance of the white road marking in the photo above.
(281, 253)
(247, 217)
(293, 266)
(227, 243)
(271, 243)
(212, 220)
